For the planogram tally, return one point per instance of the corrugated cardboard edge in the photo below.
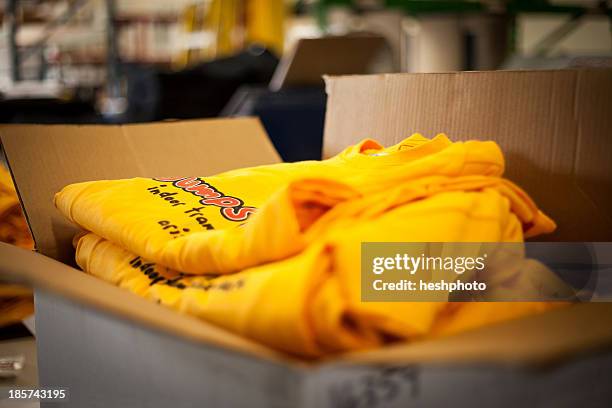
(37, 270)
(525, 342)
(45, 158)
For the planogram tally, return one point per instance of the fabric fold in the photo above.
(273, 252)
(162, 219)
(309, 302)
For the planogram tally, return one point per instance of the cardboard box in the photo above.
(311, 58)
(553, 126)
(114, 349)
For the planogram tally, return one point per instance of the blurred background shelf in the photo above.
(128, 61)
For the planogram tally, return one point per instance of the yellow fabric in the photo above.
(177, 222)
(275, 249)
(309, 304)
(16, 301)
(265, 24)
(13, 226)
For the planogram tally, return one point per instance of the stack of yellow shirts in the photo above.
(15, 301)
(273, 252)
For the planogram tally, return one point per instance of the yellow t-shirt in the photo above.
(309, 303)
(167, 219)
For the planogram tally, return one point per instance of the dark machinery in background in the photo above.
(293, 118)
(144, 93)
(200, 91)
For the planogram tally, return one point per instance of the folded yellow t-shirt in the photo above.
(310, 304)
(299, 214)
(167, 219)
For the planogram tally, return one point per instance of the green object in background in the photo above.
(542, 6)
(416, 7)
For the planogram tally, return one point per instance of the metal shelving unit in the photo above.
(19, 55)
(108, 57)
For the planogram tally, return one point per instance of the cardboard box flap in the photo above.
(311, 58)
(544, 338)
(553, 126)
(43, 159)
(32, 269)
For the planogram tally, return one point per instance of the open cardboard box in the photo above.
(310, 58)
(114, 349)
